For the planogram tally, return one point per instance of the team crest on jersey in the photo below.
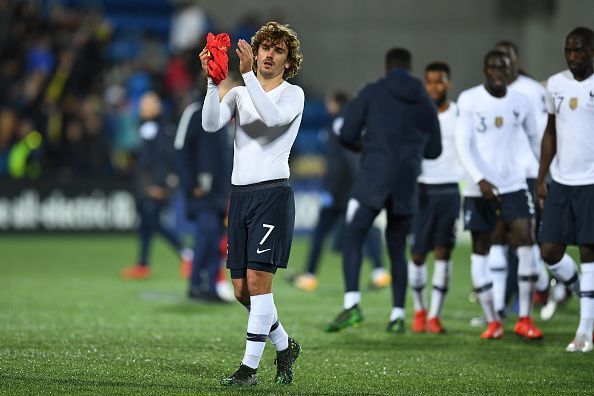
(573, 103)
(498, 121)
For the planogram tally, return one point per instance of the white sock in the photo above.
(587, 299)
(440, 283)
(259, 323)
(527, 275)
(498, 275)
(417, 279)
(542, 283)
(351, 299)
(482, 285)
(566, 272)
(278, 335)
(187, 254)
(396, 313)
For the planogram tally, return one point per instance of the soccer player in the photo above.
(498, 263)
(491, 119)
(205, 160)
(154, 163)
(434, 226)
(401, 127)
(568, 153)
(266, 115)
(341, 165)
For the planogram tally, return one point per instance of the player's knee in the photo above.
(551, 253)
(586, 253)
(418, 259)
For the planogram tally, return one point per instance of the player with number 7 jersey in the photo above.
(266, 114)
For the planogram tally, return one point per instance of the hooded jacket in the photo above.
(394, 122)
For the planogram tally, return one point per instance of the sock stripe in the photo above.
(587, 294)
(572, 280)
(418, 288)
(256, 337)
(483, 288)
(527, 278)
(444, 289)
(498, 269)
(274, 326)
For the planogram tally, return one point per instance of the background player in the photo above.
(568, 153)
(491, 118)
(434, 226)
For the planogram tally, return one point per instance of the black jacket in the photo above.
(154, 161)
(206, 160)
(401, 127)
(341, 168)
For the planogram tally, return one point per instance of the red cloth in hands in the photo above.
(218, 67)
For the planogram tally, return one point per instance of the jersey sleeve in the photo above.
(288, 107)
(531, 129)
(216, 115)
(550, 105)
(464, 139)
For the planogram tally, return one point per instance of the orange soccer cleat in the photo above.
(434, 326)
(525, 328)
(494, 331)
(418, 325)
(185, 269)
(136, 272)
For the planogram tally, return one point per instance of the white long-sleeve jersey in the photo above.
(487, 133)
(266, 125)
(535, 92)
(572, 104)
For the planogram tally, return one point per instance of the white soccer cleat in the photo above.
(547, 312)
(225, 291)
(581, 343)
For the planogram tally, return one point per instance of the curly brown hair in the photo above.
(275, 33)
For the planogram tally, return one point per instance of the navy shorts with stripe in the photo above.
(435, 222)
(568, 215)
(261, 222)
(480, 215)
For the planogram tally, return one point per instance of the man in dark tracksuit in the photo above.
(395, 124)
(154, 164)
(205, 160)
(341, 167)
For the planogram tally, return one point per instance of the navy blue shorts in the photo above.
(568, 215)
(481, 215)
(261, 222)
(435, 222)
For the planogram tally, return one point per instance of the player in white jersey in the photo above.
(266, 115)
(498, 262)
(434, 225)
(491, 120)
(568, 153)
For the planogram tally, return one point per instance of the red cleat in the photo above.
(525, 328)
(541, 297)
(185, 270)
(136, 272)
(494, 331)
(434, 326)
(418, 325)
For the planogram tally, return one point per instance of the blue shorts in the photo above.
(568, 215)
(481, 215)
(435, 222)
(261, 222)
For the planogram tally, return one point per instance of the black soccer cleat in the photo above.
(244, 376)
(284, 362)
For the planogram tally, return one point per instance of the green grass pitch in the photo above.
(70, 325)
